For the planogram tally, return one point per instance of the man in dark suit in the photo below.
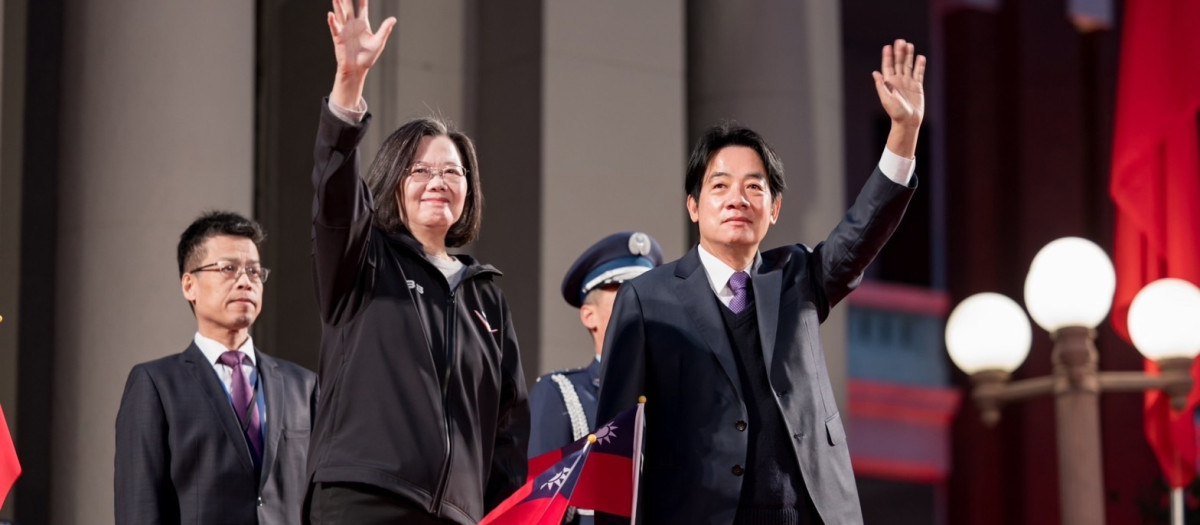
(741, 422)
(217, 434)
(563, 403)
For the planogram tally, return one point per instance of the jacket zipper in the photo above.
(449, 339)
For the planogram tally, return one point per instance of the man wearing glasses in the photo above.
(219, 432)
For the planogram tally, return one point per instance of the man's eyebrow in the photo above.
(239, 261)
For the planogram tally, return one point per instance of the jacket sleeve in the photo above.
(341, 213)
(509, 461)
(623, 377)
(550, 426)
(840, 261)
(143, 491)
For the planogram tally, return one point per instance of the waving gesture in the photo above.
(356, 48)
(902, 94)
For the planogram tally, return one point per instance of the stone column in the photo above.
(157, 123)
(613, 147)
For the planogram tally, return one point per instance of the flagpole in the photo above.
(639, 425)
(1177, 506)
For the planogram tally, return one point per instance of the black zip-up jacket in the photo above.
(422, 389)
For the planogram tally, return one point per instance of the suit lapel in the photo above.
(272, 385)
(767, 290)
(696, 295)
(202, 370)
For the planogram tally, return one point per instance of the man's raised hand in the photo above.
(900, 85)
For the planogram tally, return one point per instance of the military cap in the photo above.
(614, 260)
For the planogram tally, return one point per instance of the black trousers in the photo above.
(361, 504)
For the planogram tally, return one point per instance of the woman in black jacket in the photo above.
(423, 416)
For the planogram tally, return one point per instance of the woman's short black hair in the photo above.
(391, 167)
(728, 134)
(190, 251)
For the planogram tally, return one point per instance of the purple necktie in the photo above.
(244, 404)
(738, 283)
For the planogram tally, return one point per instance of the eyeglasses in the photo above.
(231, 271)
(425, 173)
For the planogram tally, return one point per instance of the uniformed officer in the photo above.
(563, 403)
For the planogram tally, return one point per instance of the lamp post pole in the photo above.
(1077, 418)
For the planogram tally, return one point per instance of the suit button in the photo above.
(740, 425)
(260, 501)
(738, 470)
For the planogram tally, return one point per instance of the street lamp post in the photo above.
(1069, 291)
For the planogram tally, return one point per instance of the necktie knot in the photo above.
(232, 358)
(738, 282)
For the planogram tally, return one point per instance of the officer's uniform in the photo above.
(563, 403)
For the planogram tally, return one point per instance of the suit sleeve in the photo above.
(623, 376)
(509, 461)
(143, 492)
(550, 426)
(840, 261)
(341, 214)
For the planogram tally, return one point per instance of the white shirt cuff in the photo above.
(895, 167)
(350, 116)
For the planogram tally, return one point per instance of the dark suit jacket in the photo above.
(666, 340)
(181, 457)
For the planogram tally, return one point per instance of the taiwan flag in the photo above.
(542, 500)
(608, 482)
(10, 468)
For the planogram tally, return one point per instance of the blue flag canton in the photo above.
(559, 479)
(616, 437)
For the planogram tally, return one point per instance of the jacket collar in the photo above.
(404, 239)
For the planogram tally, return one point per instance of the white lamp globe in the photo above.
(1164, 319)
(988, 331)
(1070, 283)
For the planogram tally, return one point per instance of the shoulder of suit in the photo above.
(787, 248)
(285, 365)
(167, 361)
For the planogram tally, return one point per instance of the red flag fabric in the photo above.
(607, 482)
(10, 468)
(542, 500)
(1155, 185)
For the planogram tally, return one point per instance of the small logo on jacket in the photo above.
(483, 319)
(413, 285)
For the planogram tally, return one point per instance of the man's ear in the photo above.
(587, 316)
(692, 209)
(188, 285)
(776, 205)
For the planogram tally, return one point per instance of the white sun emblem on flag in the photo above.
(558, 480)
(606, 434)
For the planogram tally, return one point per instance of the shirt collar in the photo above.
(718, 272)
(212, 350)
